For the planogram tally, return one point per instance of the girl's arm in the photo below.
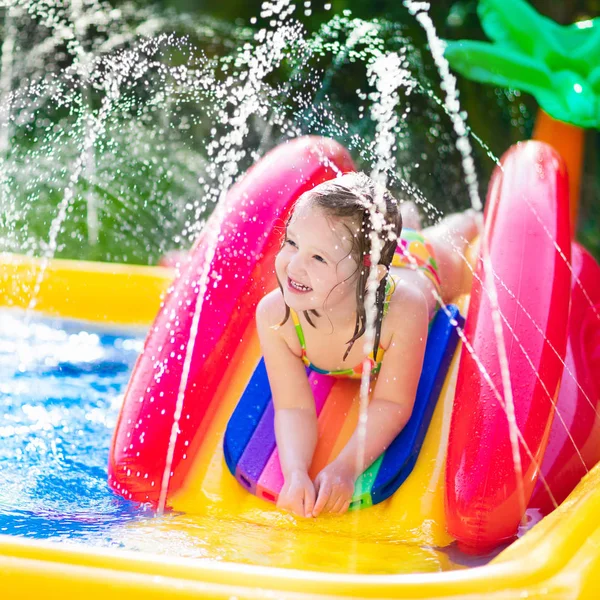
(295, 415)
(391, 407)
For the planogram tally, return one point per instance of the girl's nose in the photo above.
(297, 264)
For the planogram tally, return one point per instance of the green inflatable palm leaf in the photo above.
(557, 64)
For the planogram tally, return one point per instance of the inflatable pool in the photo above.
(561, 551)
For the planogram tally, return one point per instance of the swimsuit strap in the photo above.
(300, 335)
(355, 372)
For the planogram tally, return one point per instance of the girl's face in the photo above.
(314, 266)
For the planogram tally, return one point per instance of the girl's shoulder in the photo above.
(270, 316)
(271, 309)
(407, 301)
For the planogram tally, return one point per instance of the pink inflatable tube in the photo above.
(527, 222)
(574, 444)
(241, 272)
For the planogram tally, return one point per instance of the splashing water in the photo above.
(419, 10)
(387, 73)
(109, 135)
(126, 141)
(268, 56)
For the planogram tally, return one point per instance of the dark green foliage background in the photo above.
(145, 177)
(491, 115)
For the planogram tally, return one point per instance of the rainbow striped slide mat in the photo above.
(250, 448)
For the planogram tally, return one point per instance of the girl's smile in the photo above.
(297, 287)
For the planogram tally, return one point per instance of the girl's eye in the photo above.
(320, 259)
(290, 242)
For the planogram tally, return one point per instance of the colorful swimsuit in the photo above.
(355, 373)
(413, 252)
(416, 253)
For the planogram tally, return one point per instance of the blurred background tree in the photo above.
(143, 186)
(499, 117)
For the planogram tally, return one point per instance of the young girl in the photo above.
(317, 319)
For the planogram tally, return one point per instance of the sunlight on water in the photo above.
(56, 420)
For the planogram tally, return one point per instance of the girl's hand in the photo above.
(297, 494)
(334, 486)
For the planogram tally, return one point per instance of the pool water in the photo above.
(61, 388)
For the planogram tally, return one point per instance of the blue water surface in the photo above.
(61, 387)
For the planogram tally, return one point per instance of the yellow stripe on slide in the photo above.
(209, 483)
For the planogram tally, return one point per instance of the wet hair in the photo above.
(357, 198)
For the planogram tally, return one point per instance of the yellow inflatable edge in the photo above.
(104, 293)
(558, 558)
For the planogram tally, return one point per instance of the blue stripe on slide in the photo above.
(246, 416)
(401, 456)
